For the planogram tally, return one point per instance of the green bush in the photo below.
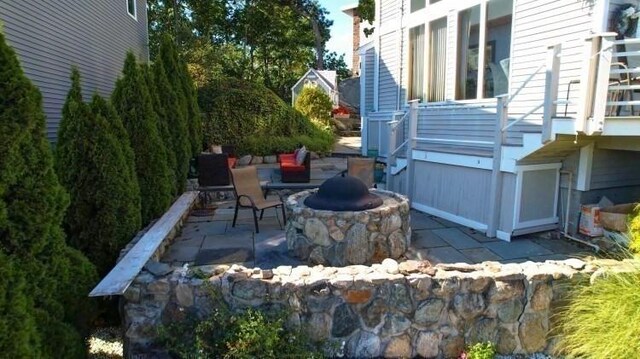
(186, 95)
(176, 121)
(634, 231)
(163, 125)
(314, 103)
(601, 319)
(480, 351)
(255, 120)
(224, 333)
(134, 105)
(104, 210)
(44, 309)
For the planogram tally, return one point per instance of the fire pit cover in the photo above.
(343, 194)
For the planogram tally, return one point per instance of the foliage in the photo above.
(634, 230)
(224, 333)
(321, 142)
(270, 42)
(247, 115)
(44, 310)
(334, 62)
(367, 11)
(601, 319)
(104, 210)
(480, 351)
(134, 105)
(314, 103)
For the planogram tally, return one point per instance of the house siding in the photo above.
(614, 168)
(388, 78)
(92, 35)
(369, 63)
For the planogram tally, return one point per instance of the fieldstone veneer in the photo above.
(351, 237)
(389, 309)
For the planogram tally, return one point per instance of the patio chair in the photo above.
(213, 169)
(362, 168)
(246, 185)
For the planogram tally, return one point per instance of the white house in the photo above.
(325, 79)
(523, 108)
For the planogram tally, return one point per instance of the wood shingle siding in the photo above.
(51, 37)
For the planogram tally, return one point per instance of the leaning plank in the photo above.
(125, 271)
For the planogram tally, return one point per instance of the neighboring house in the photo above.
(327, 80)
(52, 36)
(520, 118)
(358, 38)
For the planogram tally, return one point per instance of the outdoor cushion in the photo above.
(300, 155)
(231, 161)
(292, 167)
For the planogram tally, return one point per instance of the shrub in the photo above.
(175, 119)
(224, 333)
(104, 210)
(132, 101)
(601, 319)
(163, 126)
(255, 120)
(634, 230)
(186, 95)
(44, 276)
(314, 103)
(480, 351)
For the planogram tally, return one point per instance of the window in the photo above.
(467, 66)
(417, 5)
(437, 59)
(131, 8)
(416, 63)
(484, 76)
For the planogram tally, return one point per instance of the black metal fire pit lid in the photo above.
(346, 193)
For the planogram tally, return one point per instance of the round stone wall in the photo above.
(351, 237)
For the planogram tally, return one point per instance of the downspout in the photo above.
(565, 230)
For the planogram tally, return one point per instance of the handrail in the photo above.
(399, 148)
(524, 84)
(505, 128)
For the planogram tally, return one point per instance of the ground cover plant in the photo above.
(252, 118)
(44, 311)
(224, 333)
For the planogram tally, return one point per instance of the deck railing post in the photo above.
(595, 123)
(411, 144)
(587, 81)
(495, 195)
(391, 147)
(551, 91)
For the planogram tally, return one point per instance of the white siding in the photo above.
(369, 63)
(537, 25)
(390, 12)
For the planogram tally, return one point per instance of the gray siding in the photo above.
(388, 79)
(612, 168)
(369, 63)
(51, 37)
(507, 203)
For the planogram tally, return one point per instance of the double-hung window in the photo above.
(437, 60)
(482, 70)
(416, 63)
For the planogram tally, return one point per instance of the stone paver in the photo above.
(456, 238)
(229, 240)
(423, 221)
(213, 227)
(517, 249)
(177, 253)
(478, 236)
(559, 246)
(223, 256)
(446, 255)
(426, 239)
(479, 255)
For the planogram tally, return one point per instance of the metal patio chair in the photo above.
(249, 194)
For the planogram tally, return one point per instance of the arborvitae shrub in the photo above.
(251, 117)
(176, 120)
(182, 83)
(104, 213)
(32, 206)
(314, 103)
(163, 125)
(133, 103)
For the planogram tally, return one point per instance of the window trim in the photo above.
(135, 9)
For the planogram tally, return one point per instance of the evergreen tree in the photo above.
(53, 279)
(93, 166)
(182, 83)
(133, 103)
(163, 125)
(176, 121)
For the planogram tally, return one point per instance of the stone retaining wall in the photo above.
(389, 309)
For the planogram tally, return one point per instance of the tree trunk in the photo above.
(318, 42)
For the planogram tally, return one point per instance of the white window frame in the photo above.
(449, 9)
(135, 9)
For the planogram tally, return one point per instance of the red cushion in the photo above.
(232, 162)
(291, 167)
(287, 157)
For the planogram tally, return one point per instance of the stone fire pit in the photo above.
(340, 238)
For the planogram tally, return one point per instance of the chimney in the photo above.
(355, 62)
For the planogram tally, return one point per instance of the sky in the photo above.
(341, 30)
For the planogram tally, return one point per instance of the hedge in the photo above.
(256, 120)
(314, 103)
(44, 309)
(134, 105)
